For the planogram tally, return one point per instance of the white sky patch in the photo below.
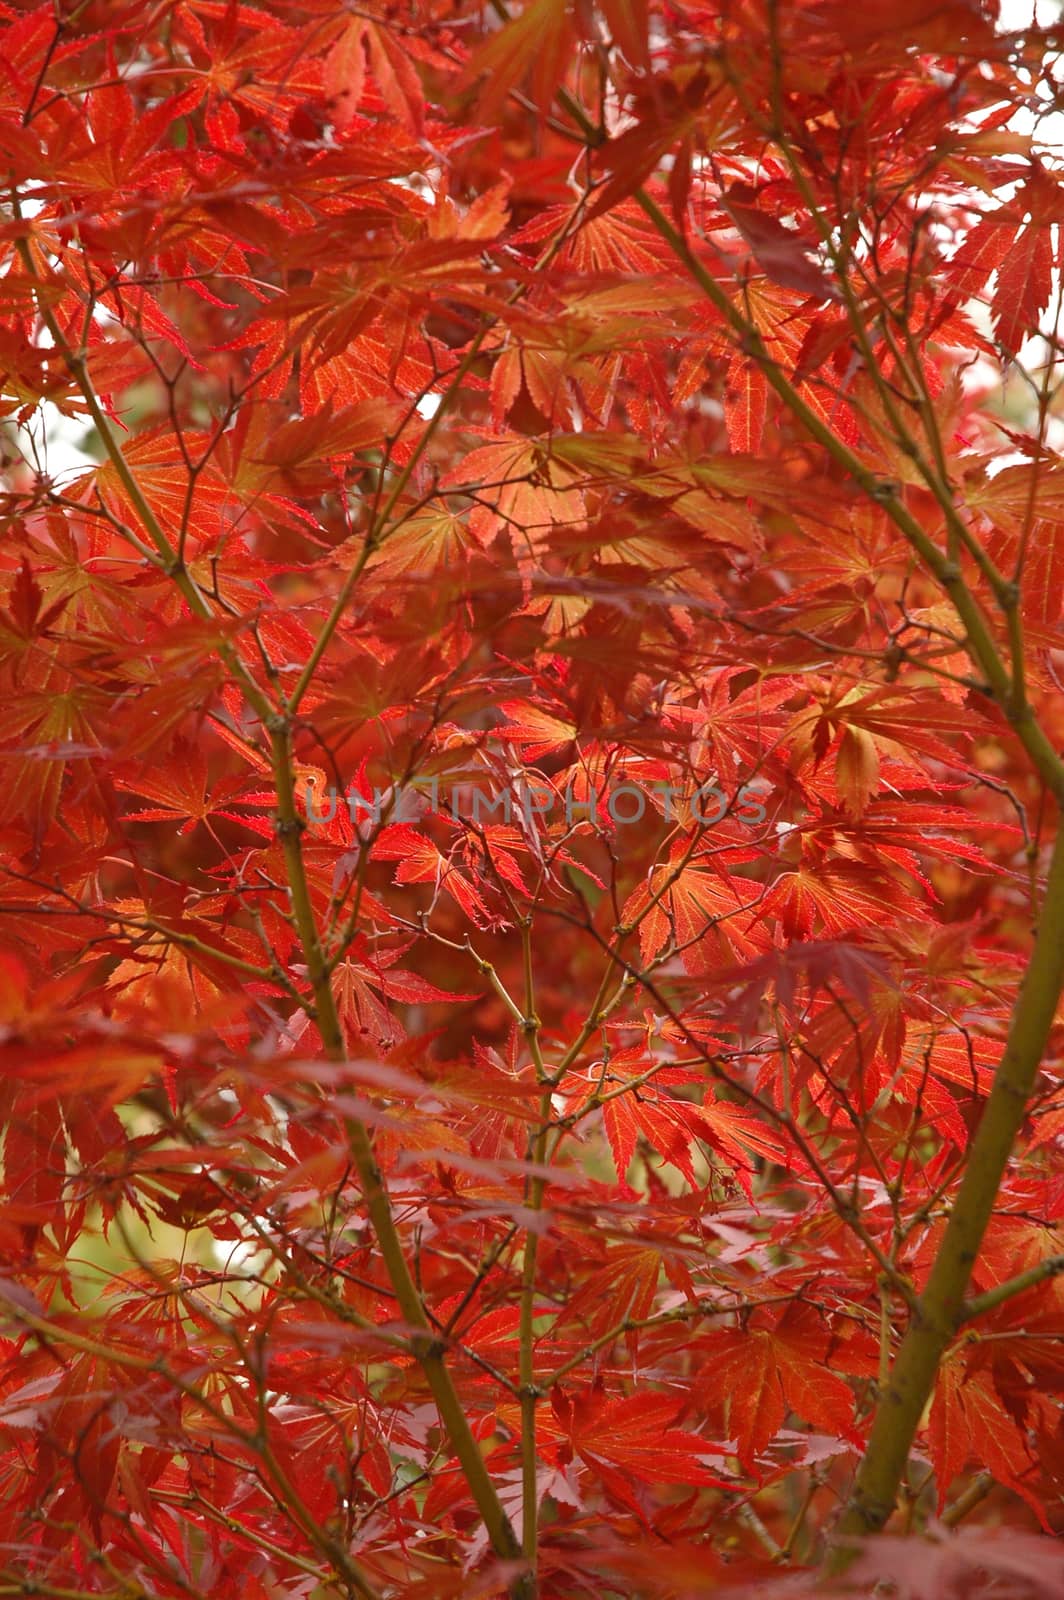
(1015, 16)
(53, 443)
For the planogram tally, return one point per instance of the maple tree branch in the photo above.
(685, 1313)
(979, 641)
(328, 1299)
(487, 970)
(48, 1332)
(78, 369)
(794, 1531)
(188, 941)
(254, 1442)
(483, 1268)
(241, 1529)
(935, 1315)
(427, 1349)
(967, 1501)
(343, 1562)
(787, 1124)
(426, 1346)
(172, 563)
(941, 1307)
(379, 528)
(603, 1004)
(530, 1394)
(959, 535)
(28, 1586)
(749, 1518)
(990, 1299)
(934, 476)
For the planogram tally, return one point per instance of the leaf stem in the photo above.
(980, 1304)
(967, 1501)
(530, 1394)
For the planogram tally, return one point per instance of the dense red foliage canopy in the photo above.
(532, 581)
